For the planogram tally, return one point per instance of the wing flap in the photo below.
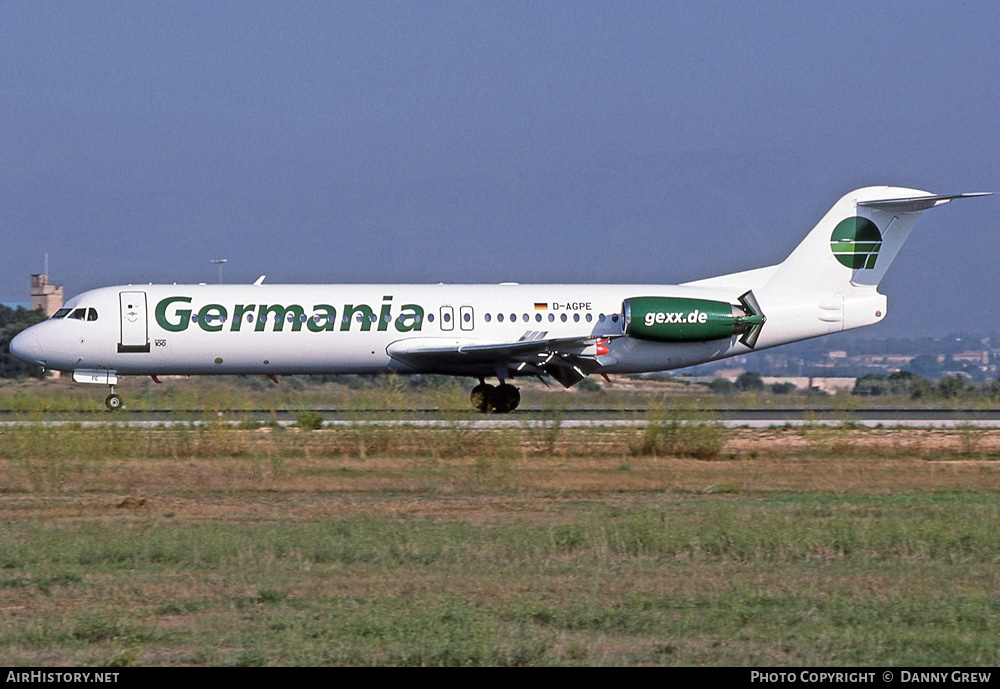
(567, 359)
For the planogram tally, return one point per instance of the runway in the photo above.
(522, 418)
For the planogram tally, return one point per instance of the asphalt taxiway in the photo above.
(527, 418)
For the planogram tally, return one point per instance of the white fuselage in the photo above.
(308, 329)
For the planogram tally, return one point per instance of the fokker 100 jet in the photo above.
(507, 331)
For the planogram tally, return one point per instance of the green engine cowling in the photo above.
(678, 319)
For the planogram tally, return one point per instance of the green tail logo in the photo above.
(855, 243)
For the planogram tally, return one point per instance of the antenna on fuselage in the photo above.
(219, 262)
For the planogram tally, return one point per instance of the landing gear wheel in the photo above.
(113, 402)
(505, 399)
(481, 396)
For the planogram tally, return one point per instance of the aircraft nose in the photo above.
(25, 347)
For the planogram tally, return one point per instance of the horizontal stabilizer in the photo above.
(915, 204)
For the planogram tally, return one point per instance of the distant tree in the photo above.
(589, 385)
(13, 321)
(903, 383)
(922, 388)
(950, 387)
(871, 384)
(749, 381)
(925, 365)
(902, 378)
(911, 384)
(722, 386)
(783, 388)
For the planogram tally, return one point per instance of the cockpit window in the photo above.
(61, 313)
(81, 314)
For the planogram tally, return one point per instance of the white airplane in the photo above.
(566, 332)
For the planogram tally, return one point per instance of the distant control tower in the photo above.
(48, 298)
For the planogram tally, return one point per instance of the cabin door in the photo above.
(135, 328)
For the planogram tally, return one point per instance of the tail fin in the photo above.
(829, 282)
(855, 242)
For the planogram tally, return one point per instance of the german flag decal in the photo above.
(541, 306)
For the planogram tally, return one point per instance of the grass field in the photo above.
(361, 545)
(397, 393)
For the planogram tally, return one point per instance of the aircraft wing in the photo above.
(567, 359)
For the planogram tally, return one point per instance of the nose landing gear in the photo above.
(498, 399)
(113, 401)
(101, 377)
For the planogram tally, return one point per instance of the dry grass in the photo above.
(450, 546)
(436, 461)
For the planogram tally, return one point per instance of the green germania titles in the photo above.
(173, 315)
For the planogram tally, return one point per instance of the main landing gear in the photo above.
(498, 399)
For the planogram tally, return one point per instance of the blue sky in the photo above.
(468, 141)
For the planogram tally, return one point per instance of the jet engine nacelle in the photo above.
(680, 319)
